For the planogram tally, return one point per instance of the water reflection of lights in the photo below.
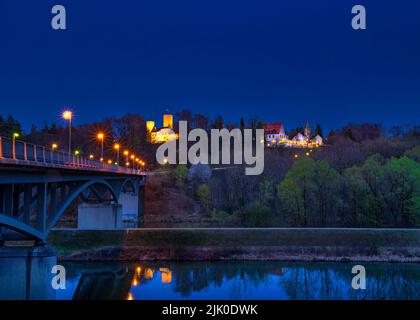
(148, 274)
(135, 282)
(166, 275)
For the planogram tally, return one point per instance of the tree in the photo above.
(328, 183)
(9, 126)
(201, 121)
(318, 131)
(414, 153)
(291, 197)
(258, 215)
(301, 174)
(180, 174)
(372, 173)
(218, 123)
(203, 196)
(184, 115)
(358, 199)
(401, 190)
(266, 193)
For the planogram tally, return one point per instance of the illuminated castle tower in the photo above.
(166, 133)
(150, 125)
(168, 121)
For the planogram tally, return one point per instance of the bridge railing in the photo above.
(29, 153)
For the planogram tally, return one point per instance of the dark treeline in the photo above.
(129, 131)
(363, 177)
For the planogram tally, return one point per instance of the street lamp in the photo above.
(132, 158)
(101, 138)
(117, 148)
(14, 136)
(54, 146)
(126, 152)
(68, 115)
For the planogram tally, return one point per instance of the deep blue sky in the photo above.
(286, 60)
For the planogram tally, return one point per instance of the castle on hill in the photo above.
(161, 135)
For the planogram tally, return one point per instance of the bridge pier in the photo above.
(99, 216)
(128, 213)
(25, 273)
(130, 208)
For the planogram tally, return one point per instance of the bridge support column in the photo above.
(99, 216)
(141, 206)
(130, 208)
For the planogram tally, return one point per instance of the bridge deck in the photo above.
(18, 154)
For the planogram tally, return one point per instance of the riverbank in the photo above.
(340, 245)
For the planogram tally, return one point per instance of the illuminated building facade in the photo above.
(275, 135)
(166, 133)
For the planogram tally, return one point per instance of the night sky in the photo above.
(287, 61)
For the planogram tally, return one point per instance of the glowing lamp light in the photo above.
(16, 135)
(116, 146)
(127, 164)
(165, 161)
(130, 296)
(91, 156)
(101, 159)
(109, 161)
(100, 136)
(135, 282)
(296, 156)
(76, 152)
(54, 146)
(67, 115)
(132, 156)
(126, 152)
(307, 154)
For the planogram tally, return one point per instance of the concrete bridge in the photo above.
(38, 184)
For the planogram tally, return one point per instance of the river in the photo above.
(240, 280)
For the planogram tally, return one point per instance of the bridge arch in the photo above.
(20, 227)
(75, 194)
(127, 183)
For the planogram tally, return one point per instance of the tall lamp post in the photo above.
(14, 136)
(68, 115)
(117, 148)
(101, 138)
(126, 153)
(133, 157)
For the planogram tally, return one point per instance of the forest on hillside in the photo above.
(363, 176)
